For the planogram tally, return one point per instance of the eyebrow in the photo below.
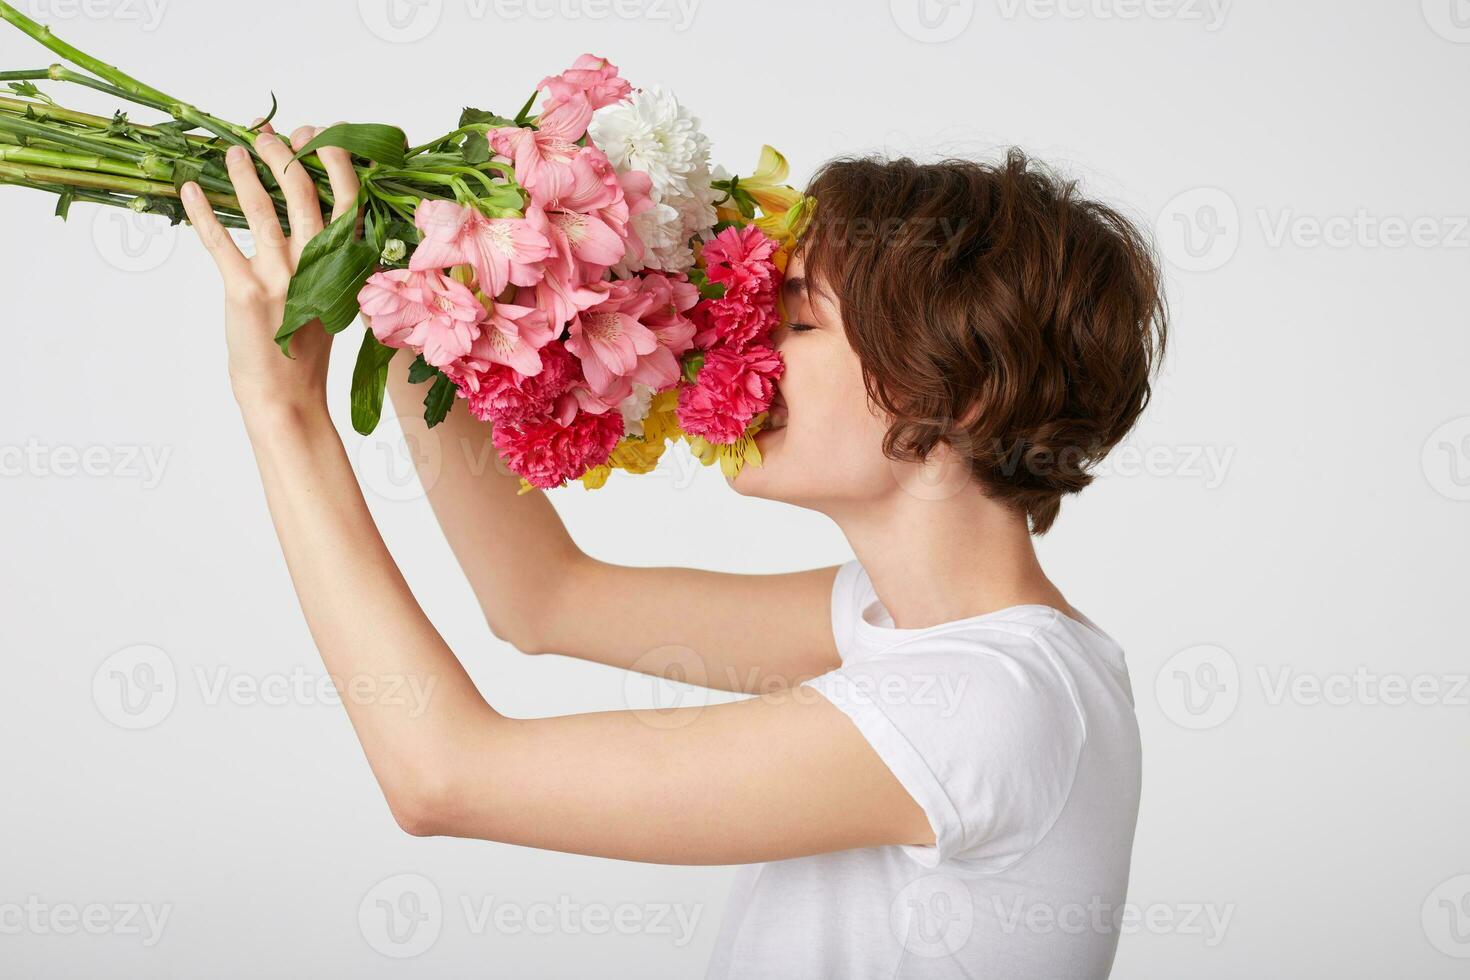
(794, 288)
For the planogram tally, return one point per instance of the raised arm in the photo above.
(772, 777)
(542, 594)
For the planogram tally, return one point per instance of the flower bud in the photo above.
(393, 251)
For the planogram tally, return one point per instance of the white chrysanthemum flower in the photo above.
(635, 408)
(652, 132)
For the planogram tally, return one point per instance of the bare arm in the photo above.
(542, 594)
(766, 778)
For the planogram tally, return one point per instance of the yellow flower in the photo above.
(641, 455)
(786, 227)
(768, 184)
(732, 457)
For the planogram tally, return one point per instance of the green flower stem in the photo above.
(125, 83)
(43, 111)
(74, 161)
(105, 182)
(55, 134)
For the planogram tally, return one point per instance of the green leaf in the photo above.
(185, 171)
(476, 117)
(369, 381)
(333, 267)
(475, 149)
(712, 290)
(691, 366)
(421, 370)
(268, 116)
(439, 401)
(379, 143)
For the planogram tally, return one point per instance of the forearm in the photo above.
(513, 547)
(406, 693)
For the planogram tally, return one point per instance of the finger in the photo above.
(345, 185)
(302, 208)
(259, 210)
(221, 247)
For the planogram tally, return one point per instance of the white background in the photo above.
(1294, 509)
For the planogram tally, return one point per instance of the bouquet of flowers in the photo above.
(581, 275)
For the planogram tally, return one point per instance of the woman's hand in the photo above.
(255, 288)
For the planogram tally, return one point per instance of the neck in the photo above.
(936, 561)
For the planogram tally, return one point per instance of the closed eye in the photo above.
(799, 327)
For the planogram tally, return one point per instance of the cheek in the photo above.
(831, 417)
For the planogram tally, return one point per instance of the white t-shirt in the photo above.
(1015, 733)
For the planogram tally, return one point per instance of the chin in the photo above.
(763, 480)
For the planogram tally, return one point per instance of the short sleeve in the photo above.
(982, 730)
(846, 604)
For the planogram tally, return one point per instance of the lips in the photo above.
(776, 417)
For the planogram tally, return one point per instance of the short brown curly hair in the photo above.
(994, 309)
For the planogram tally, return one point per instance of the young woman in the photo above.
(938, 774)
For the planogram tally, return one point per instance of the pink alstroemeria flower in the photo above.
(501, 250)
(590, 77)
(426, 311)
(543, 157)
(513, 336)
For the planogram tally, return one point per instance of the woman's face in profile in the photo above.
(829, 449)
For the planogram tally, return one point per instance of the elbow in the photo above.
(522, 636)
(424, 807)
